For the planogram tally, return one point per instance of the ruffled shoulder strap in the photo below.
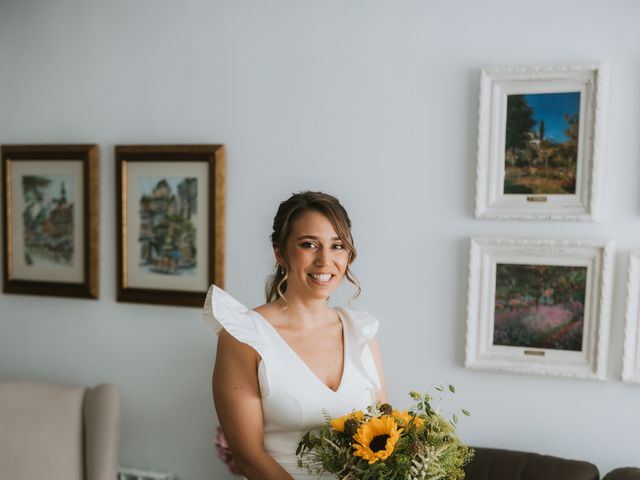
(222, 311)
(363, 327)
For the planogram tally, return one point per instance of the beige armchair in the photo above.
(58, 432)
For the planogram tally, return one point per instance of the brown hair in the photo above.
(292, 208)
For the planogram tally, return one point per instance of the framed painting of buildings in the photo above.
(539, 306)
(51, 220)
(170, 222)
(540, 140)
(631, 356)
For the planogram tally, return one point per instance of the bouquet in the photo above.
(224, 452)
(384, 443)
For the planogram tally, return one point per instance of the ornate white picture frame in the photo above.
(631, 356)
(540, 141)
(539, 306)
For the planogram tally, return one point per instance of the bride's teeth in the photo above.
(322, 278)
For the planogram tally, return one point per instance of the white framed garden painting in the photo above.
(539, 306)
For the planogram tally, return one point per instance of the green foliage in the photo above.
(569, 149)
(567, 283)
(519, 121)
(427, 451)
(32, 186)
(573, 128)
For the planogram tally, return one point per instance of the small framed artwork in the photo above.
(540, 142)
(170, 222)
(51, 220)
(631, 356)
(539, 306)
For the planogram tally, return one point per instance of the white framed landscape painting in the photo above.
(540, 142)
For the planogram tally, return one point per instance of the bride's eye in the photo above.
(308, 245)
(338, 246)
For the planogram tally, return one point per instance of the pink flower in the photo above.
(224, 452)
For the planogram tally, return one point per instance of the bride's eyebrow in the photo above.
(314, 237)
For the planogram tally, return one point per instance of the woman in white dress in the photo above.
(280, 366)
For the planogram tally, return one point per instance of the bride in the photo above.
(282, 365)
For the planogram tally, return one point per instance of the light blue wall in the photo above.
(374, 101)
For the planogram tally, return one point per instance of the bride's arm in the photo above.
(238, 403)
(381, 395)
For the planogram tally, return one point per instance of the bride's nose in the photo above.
(321, 257)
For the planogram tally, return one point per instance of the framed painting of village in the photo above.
(540, 142)
(631, 356)
(539, 306)
(170, 220)
(51, 221)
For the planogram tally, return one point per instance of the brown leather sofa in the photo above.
(500, 464)
(627, 473)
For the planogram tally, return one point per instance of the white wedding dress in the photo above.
(293, 397)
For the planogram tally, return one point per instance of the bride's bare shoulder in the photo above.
(270, 311)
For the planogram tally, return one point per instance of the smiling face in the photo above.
(316, 259)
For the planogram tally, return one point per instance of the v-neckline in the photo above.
(303, 363)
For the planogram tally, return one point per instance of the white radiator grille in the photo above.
(125, 473)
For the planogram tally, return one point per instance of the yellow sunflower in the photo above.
(338, 423)
(376, 439)
(406, 419)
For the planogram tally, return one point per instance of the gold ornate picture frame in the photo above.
(170, 222)
(51, 220)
